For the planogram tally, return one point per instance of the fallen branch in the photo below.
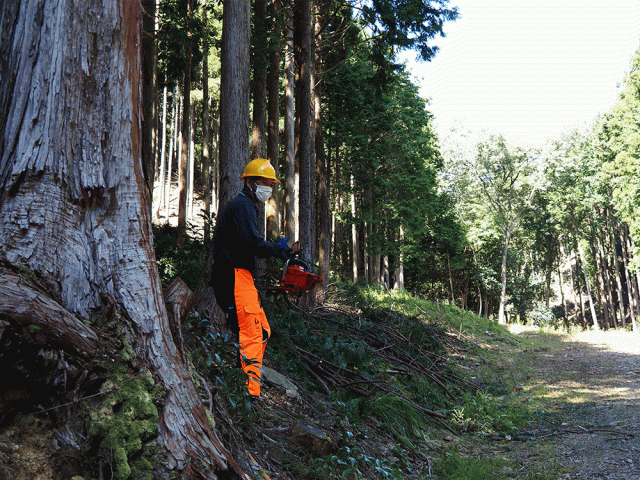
(589, 431)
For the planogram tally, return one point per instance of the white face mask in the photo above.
(263, 193)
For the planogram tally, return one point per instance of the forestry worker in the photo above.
(236, 244)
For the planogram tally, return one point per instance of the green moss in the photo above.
(127, 353)
(127, 421)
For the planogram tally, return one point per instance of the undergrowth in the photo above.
(393, 363)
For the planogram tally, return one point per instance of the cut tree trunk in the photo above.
(74, 213)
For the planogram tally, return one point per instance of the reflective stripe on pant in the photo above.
(252, 321)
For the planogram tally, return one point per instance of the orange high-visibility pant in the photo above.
(252, 321)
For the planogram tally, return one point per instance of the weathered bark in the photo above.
(73, 203)
(625, 262)
(149, 46)
(592, 307)
(259, 84)
(502, 320)
(24, 302)
(234, 98)
(273, 125)
(205, 160)
(304, 59)
(322, 193)
(163, 155)
(291, 226)
(186, 130)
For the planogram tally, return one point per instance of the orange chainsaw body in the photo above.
(297, 278)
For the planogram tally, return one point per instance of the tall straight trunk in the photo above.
(636, 284)
(355, 246)
(149, 47)
(386, 279)
(186, 130)
(234, 97)
(322, 201)
(215, 150)
(259, 85)
(303, 46)
(606, 277)
(625, 262)
(291, 181)
(273, 111)
(77, 184)
(587, 285)
(172, 150)
(362, 255)
(563, 300)
(616, 266)
(205, 161)
(163, 154)
(502, 320)
(399, 273)
(453, 298)
(191, 173)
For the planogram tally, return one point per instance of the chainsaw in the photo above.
(297, 275)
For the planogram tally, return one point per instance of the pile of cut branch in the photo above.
(395, 353)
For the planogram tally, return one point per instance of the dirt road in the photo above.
(591, 381)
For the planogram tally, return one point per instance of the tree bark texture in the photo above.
(205, 160)
(74, 211)
(149, 47)
(291, 227)
(234, 97)
(186, 131)
(303, 47)
(259, 84)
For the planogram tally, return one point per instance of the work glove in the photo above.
(284, 250)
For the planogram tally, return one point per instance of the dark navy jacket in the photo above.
(236, 244)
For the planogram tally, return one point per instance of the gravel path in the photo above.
(607, 367)
(596, 431)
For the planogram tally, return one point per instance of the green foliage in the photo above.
(401, 419)
(352, 462)
(187, 262)
(543, 316)
(217, 358)
(486, 415)
(455, 467)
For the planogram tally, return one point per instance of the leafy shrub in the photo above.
(187, 262)
(486, 415)
(543, 316)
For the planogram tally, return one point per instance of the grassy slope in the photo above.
(376, 370)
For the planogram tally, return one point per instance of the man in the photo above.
(236, 244)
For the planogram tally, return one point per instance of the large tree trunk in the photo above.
(502, 319)
(186, 131)
(259, 84)
(149, 95)
(273, 125)
(322, 189)
(304, 58)
(205, 162)
(234, 127)
(592, 306)
(74, 214)
(234, 97)
(291, 226)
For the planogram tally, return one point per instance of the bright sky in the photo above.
(528, 70)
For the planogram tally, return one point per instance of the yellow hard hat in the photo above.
(260, 167)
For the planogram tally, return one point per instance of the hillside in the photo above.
(386, 386)
(381, 385)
